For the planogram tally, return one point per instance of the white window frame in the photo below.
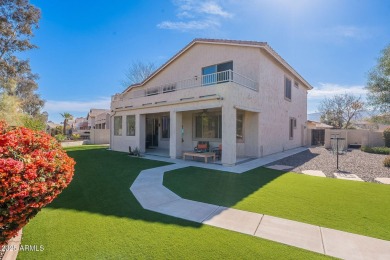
(128, 133)
(119, 131)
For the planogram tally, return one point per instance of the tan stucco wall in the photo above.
(266, 127)
(356, 136)
(99, 136)
(190, 64)
(276, 110)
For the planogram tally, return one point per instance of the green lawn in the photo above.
(97, 217)
(357, 207)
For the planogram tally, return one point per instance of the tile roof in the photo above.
(97, 111)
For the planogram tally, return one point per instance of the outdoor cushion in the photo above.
(202, 147)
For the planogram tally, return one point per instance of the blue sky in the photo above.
(85, 47)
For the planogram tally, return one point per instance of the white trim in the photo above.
(250, 109)
(169, 103)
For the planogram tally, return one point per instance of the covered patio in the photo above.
(234, 129)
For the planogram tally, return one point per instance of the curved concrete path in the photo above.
(150, 192)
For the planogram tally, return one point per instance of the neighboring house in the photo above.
(51, 128)
(316, 132)
(99, 126)
(80, 127)
(102, 120)
(80, 123)
(240, 94)
(91, 118)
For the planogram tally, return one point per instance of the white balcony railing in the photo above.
(204, 80)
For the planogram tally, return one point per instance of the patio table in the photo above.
(201, 155)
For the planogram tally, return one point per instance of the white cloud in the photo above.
(349, 31)
(213, 9)
(196, 15)
(341, 33)
(326, 90)
(54, 107)
(187, 26)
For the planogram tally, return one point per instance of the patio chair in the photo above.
(218, 152)
(202, 147)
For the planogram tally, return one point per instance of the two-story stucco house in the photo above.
(240, 94)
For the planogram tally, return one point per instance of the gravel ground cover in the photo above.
(365, 165)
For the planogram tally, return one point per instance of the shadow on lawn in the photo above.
(101, 185)
(297, 160)
(224, 188)
(219, 188)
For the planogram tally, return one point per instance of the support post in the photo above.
(337, 153)
(140, 128)
(229, 130)
(175, 142)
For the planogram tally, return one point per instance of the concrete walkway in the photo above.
(152, 195)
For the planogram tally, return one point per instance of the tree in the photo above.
(18, 18)
(378, 84)
(10, 109)
(67, 117)
(138, 72)
(380, 119)
(340, 110)
(37, 123)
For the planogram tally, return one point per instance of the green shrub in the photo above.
(75, 136)
(386, 162)
(381, 150)
(135, 152)
(36, 124)
(386, 136)
(60, 137)
(366, 149)
(377, 150)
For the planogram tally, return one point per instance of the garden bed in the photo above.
(367, 166)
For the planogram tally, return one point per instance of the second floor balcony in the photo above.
(204, 80)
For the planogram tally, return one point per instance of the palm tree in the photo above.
(67, 116)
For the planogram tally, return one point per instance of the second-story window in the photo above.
(287, 89)
(217, 73)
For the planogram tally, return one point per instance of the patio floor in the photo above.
(160, 152)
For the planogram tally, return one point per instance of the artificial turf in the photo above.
(97, 217)
(356, 207)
